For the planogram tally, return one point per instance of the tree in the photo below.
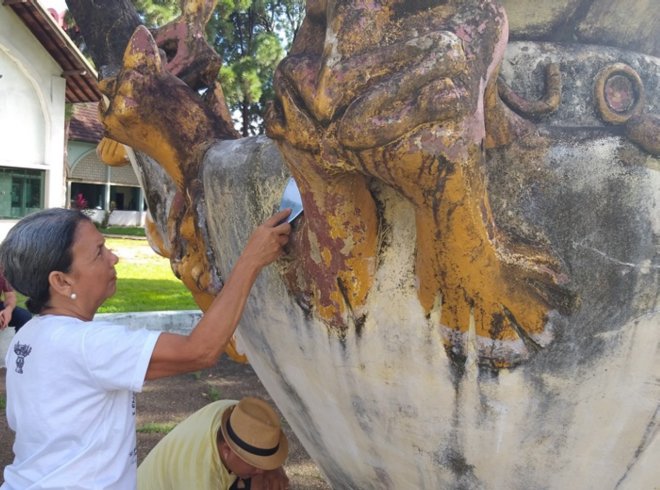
(157, 12)
(252, 36)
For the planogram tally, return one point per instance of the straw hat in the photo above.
(251, 428)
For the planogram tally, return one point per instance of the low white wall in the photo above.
(118, 218)
(127, 218)
(181, 322)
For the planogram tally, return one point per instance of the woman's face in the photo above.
(92, 273)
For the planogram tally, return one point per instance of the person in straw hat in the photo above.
(225, 445)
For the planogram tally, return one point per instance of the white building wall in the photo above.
(32, 100)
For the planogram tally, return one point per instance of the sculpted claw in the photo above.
(412, 103)
(408, 106)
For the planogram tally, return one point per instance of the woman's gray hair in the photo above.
(37, 245)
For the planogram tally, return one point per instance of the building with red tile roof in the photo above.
(41, 72)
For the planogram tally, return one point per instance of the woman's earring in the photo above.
(73, 296)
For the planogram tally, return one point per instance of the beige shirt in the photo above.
(187, 458)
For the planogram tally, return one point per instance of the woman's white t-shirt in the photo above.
(71, 401)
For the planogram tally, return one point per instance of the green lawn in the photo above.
(145, 281)
(123, 230)
(156, 428)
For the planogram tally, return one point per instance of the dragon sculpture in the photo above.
(473, 286)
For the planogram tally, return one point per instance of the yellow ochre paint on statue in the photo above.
(151, 128)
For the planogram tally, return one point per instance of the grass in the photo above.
(145, 281)
(156, 428)
(213, 394)
(3, 402)
(123, 230)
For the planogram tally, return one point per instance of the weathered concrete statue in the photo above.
(471, 296)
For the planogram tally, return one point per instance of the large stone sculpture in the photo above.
(470, 299)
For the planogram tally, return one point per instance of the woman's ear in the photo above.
(59, 283)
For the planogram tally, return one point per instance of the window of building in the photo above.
(21, 191)
(122, 198)
(93, 195)
(126, 198)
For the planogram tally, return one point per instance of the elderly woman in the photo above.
(71, 380)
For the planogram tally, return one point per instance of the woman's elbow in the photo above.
(209, 357)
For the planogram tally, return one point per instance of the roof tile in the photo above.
(85, 124)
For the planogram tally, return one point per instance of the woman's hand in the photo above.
(10, 304)
(267, 241)
(176, 354)
(5, 317)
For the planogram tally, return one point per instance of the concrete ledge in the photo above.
(181, 322)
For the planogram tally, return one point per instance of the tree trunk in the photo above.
(245, 118)
(106, 35)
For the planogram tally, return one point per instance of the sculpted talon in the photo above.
(404, 103)
(446, 239)
(407, 103)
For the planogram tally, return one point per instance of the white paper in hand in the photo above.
(291, 199)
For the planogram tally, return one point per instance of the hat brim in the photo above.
(269, 462)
